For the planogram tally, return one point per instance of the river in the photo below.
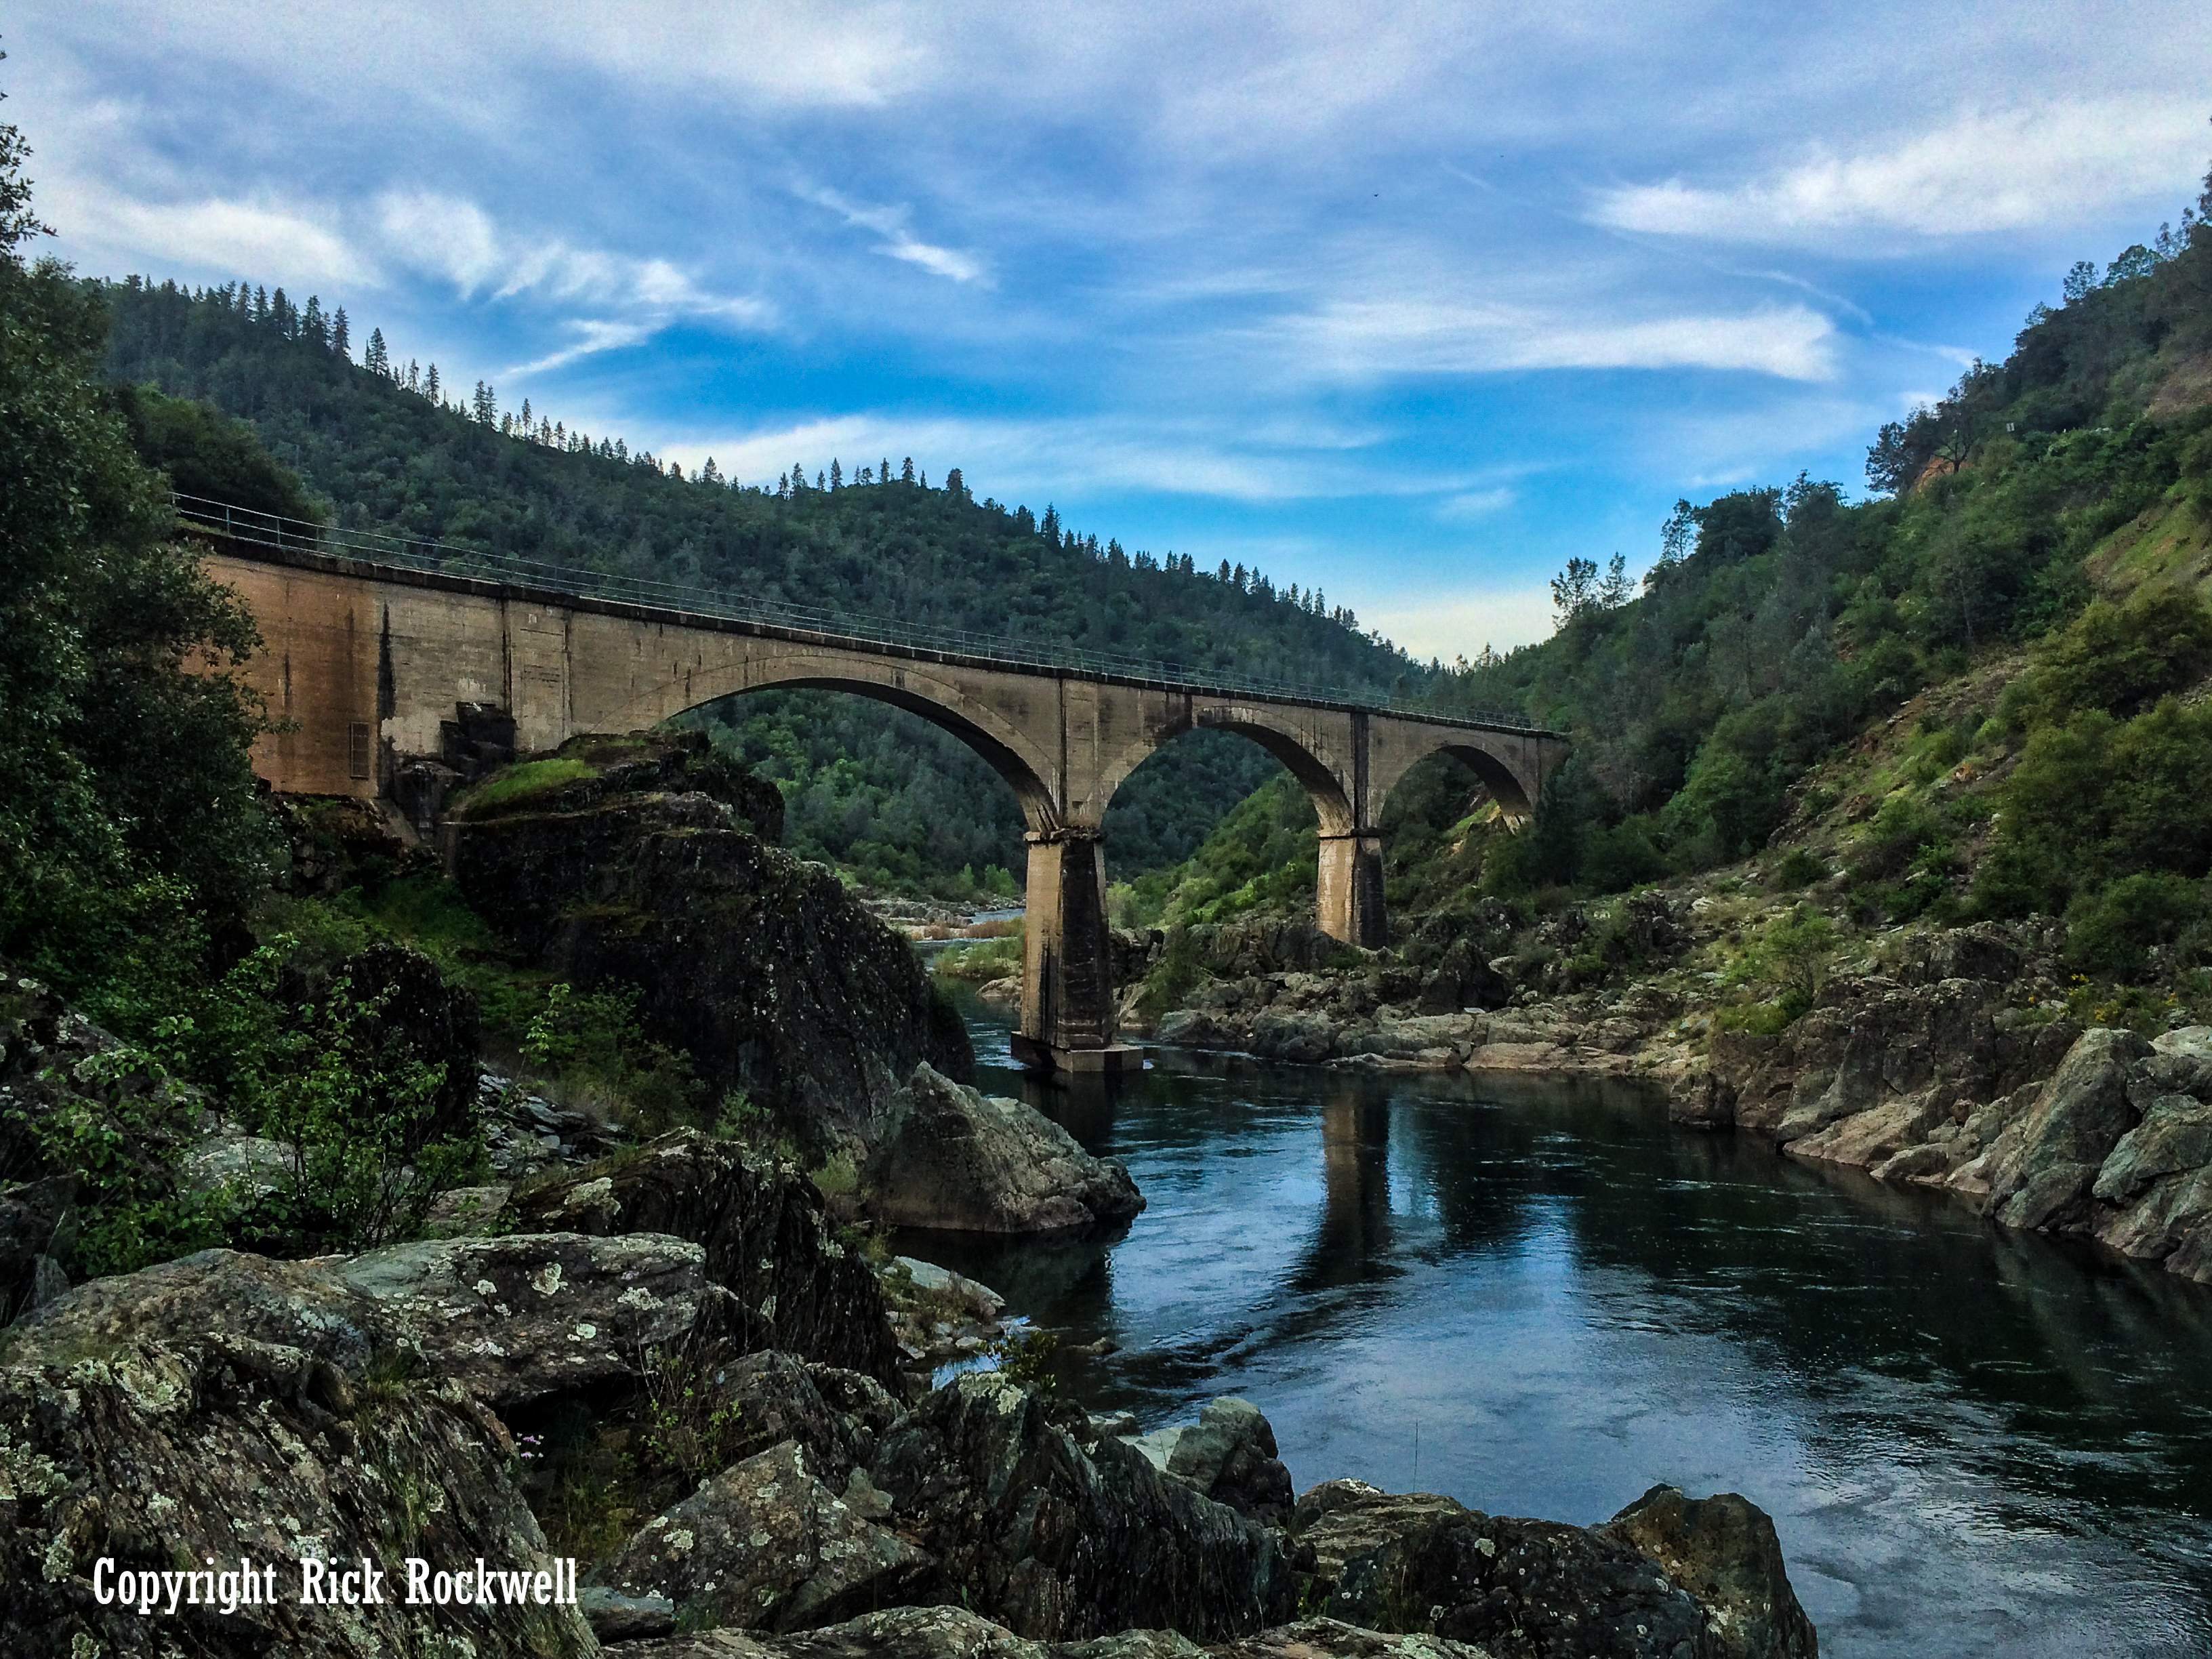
(1543, 1299)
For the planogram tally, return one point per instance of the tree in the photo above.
(2080, 281)
(376, 359)
(1615, 591)
(122, 775)
(906, 471)
(341, 334)
(1574, 590)
(836, 474)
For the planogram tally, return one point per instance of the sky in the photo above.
(1411, 304)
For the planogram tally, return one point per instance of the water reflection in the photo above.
(1973, 1442)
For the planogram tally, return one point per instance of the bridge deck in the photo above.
(416, 562)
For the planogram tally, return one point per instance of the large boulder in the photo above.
(1230, 1456)
(512, 1320)
(2042, 1168)
(230, 1449)
(1421, 1564)
(1060, 1545)
(951, 1158)
(1723, 1551)
(626, 867)
(767, 1239)
(764, 1545)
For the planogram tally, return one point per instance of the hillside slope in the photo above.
(871, 788)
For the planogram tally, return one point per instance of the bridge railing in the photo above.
(257, 528)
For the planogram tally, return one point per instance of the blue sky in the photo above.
(1409, 303)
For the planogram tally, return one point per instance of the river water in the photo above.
(1543, 1299)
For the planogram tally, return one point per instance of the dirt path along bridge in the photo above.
(375, 658)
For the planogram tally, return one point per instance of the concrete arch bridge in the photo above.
(373, 654)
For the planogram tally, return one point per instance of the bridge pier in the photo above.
(1067, 975)
(1349, 894)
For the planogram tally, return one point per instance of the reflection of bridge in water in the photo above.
(377, 648)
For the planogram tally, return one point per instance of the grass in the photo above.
(518, 785)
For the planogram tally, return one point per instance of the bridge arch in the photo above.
(938, 698)
(1329, 781)
(1511, 768)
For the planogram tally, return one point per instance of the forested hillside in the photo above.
(2026, 575)
(870, 788)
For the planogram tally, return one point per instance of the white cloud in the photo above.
(899, 242)
(1979, 173)
(215, 236)
(1361, 338)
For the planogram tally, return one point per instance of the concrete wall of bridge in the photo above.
(365, 666)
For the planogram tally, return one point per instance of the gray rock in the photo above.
(1058, 1546)
(1332, 1638)
(2175, 1135)
(1723, 1551)
(512, 1320)
(1229, 1456)
(953, 1158)
(765, 1544)
(155, 1454)
(767, 1240)
(2041, 1169)
(1427, 1566)
(615, 1617)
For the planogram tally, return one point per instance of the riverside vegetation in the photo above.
(365, 1199)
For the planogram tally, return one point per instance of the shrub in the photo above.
(592, 1043)
(2113, 931)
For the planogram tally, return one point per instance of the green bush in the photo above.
(2112, 933)
(592, 1043)
(2118, 658)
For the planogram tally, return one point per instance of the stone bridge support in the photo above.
(373, 668)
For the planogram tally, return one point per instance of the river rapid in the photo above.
(1544, 1298)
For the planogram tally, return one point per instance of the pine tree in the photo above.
(341, 335)
(311, 324)
(906, 472)
(836, 474)
(953, 486)
(884, 475)
(526, 414)
(485, 404)
(429, 383)
(261, 305)
(377, 360)
(820, 483)
(1049, 526)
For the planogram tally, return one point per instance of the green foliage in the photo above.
(1028, 1357)
(1266, 856)
(593, 1043)
(689, 1427)
(2113, 932)
(516, 787)
(1792, 954)
(345, 1094)
(207, 454)
(1798, 868)
(2117, 658)
(117, 767)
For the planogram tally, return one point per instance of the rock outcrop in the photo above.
(766, 1236)
(764, 1545)
(231, 1450)
(953, 1158)
(510, 1320)
(1059, 1544)
(652, 869)
(1665, 1578)
(1229, 1455)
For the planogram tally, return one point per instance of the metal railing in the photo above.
(255, 528)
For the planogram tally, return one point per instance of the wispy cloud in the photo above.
(212, 235)
(899, 242)
(1360, 338)
(1474, 504)
(453, 240)
(1978, 173)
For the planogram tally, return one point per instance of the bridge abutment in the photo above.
(1067, 975)
(1349, 893)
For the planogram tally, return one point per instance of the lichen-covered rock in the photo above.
(1230, 1456)
(951, 1158)
(765, 1544)
(767, 1239)
(1332, 1638)
(1723, 1551)
(230, 1449)
(1423, 1565)
(512, 1319)
(760, 965)
(988, 1477)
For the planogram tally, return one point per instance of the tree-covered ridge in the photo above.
(1779, 622)
(389, 457)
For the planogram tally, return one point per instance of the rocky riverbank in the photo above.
(1948, 1058)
